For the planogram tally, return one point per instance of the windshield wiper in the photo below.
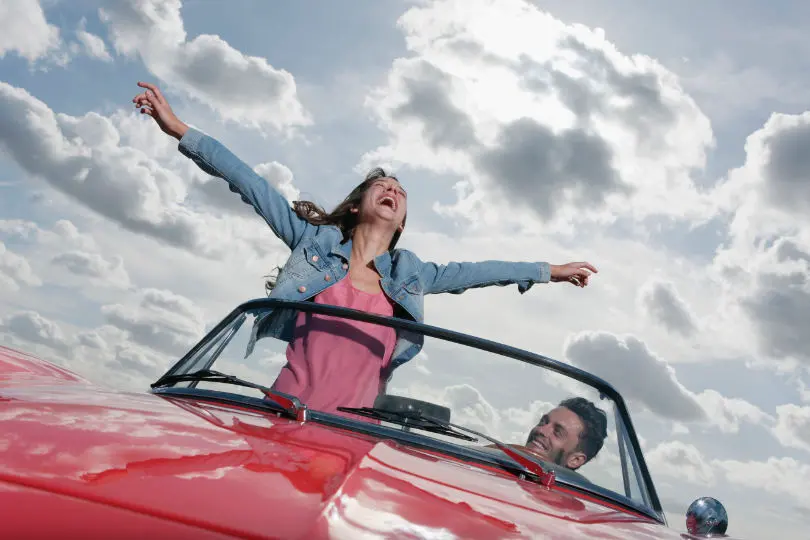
(409, 419)
(290, 404)
(208, 375)
(418, 420)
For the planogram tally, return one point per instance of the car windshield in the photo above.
(564, 419)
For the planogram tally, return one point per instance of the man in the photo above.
(569, 435)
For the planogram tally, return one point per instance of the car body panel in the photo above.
(23, 509)
(235, 471)
(21, 369)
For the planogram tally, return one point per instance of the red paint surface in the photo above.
(18, 368)
(88, 457)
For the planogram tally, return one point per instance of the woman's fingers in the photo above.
(587, 265)
(152, 102)
(154, 89)
(144, 98)
(580, 279)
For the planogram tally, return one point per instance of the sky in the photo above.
(664, 143)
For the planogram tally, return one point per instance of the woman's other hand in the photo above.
(573, 272)
(152, 102)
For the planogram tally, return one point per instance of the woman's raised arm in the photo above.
(212, 157)
(457, 277)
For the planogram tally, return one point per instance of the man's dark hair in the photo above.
(594, 424)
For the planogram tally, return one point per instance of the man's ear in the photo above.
(575, 460)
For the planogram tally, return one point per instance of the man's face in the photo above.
(556, 437)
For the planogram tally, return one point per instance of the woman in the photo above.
(346, 258)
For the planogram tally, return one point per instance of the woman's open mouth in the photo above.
(387, 200)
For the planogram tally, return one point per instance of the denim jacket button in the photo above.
(314, 258)
(302, 289)
(327, 277)
(345, 266)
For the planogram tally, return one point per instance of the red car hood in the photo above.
(222, 469)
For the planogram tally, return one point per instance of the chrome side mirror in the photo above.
(706, 517)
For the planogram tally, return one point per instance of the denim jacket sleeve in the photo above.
(456, 277)
(212, 157)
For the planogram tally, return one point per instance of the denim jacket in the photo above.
(320, 258)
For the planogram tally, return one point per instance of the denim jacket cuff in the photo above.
(544, 272)
(190, 141)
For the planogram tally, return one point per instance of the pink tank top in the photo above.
(333, 361)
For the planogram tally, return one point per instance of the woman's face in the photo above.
(384, 201)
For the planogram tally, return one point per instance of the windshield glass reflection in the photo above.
(566, 425)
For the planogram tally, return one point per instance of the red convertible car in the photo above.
(470, 439)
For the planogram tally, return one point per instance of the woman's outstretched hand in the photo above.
(574, 272)
(152, 102)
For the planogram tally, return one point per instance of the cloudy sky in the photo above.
(666, 143)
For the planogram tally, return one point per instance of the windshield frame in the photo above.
(625, 429)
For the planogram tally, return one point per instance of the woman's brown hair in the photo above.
(341, 217)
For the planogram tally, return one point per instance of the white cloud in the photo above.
(161, 320)
(24, 30)
(92, 45)
(86, 159)
(216, 194)
(94, 267)
(679, 429)
(729, 413)
(470, 408)
(32, 327)
(792, 427)
(644, 378)
(768, 193)
(768, 291)
(661, 302)
(279, 177)
(140, 342)
(767, 262)
(245, 89)
(522, 420)
(681, 460)
(545, 119)
(779, 476)
(803, 389)
(66, 256)
(637, 373)
(15, 270)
